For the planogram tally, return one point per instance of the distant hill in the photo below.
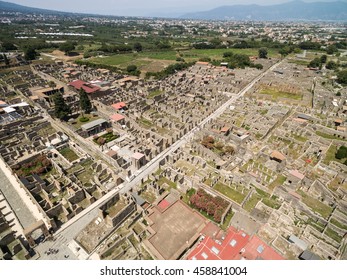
(295, 10)
(11, 7)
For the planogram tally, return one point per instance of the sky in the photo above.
(141, 7)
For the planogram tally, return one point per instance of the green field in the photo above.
(330, 155)
(145, 58)
(333, 234)
(275, 94)
(328, 136)
(230, 192)
(280, 179)
(316, 206)
(69, 154)
(252, 202)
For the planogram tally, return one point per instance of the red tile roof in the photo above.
(258, 249)
(163, 204)
(87, 87)
(117, 117)
(235, 246)
(118, 105)
(227, 249)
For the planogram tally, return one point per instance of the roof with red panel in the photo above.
(87, 87)
(118, 105)
(236, 245)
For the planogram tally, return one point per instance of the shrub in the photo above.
(83, 119)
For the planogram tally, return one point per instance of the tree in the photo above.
(131, 68)
(7, 46)
(341, 153)
(52, 84)
(61, 109)
(331, 49)
(30, 53)
(67, 47)
(137, 47)
(315, 63)
(323, 58)
(228, 54)
(342, 77)
(262, 53)
(85, 103)
(332, 65)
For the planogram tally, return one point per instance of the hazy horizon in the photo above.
(142, 8)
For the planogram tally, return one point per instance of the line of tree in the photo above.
(61, 109)
(170, 70)
(68, 47)
(85, 104)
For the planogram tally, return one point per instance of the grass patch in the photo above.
(280, 179)
(316, 206)
(155, 93)
(188, 195)
(164, 180)
(229, 192)
(145, 122)
(299, 138)
(328, 136)
(275, 94)
(227, 220)
(271, 202)
(338, 224)
(330, 156)
(69, 154)
(333, 235)
(299, 62)
(78, 123)
(252, 202)
(147, 57)
(318, 226)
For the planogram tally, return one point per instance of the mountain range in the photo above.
(291, 11)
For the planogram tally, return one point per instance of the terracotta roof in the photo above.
(118, 105)
(117, 117)
(277, 155)
(111, 153)
(202, 63)
(87, 87)
(297, 174)
(225, 129)
(236, 245)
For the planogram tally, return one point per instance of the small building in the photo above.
(118, 118)
(295, 176)
(116, 210)
(298, 242)
(338, 122)
(94, 127)
(87, 87)
(202, 63)
(304, 117)
(225, 130)
(307, 255)
(138, 160)
(112, 154)
(119, 106)
(277, 156)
